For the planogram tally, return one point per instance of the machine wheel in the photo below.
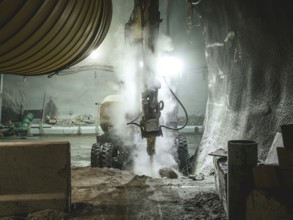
(107, 151)
(96, 155)
(105, 155)
(110, 156)
(183, 155)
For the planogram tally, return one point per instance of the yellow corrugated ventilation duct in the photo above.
(44, 36)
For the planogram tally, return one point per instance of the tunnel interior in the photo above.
(234, 84)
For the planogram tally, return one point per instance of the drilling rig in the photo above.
(141, 32)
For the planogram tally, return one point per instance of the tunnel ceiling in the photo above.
(40, 37)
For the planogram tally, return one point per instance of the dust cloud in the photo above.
(132, 68)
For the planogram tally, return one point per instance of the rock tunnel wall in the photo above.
(250, 63)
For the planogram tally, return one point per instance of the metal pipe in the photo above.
(242, 157)
(43, 114)
(1, 95)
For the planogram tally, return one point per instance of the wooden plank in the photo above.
(264, 205)
(287, 135)
(285, 157)
(219, 153)
(34, 176)
(266, 177)
(221, 172)
(286, 179)
(27, 197)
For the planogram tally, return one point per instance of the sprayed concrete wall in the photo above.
(77, 94)
(73, 94)
(249, 55)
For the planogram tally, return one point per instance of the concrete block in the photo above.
(62, 130)
(34, 176)
(88, 130)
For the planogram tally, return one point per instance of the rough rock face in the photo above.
(249, 55)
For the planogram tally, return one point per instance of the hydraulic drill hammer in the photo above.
(142, 31)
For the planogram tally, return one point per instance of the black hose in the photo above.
(186, 115)
(133, 123)
(134, 120)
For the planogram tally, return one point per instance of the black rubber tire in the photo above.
(107, 154)
(183, 155)
(96, 155)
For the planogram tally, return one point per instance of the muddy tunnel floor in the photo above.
(106, 193)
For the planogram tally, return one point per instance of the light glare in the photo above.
(141, 64)
(170, 66)
(95, 54)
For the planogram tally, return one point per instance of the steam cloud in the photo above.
(129, 69)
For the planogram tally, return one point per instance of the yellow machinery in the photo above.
(109, 150)
(45, 37)
(141, 33)
(108, 105)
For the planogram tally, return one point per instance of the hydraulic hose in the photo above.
(180, 103)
